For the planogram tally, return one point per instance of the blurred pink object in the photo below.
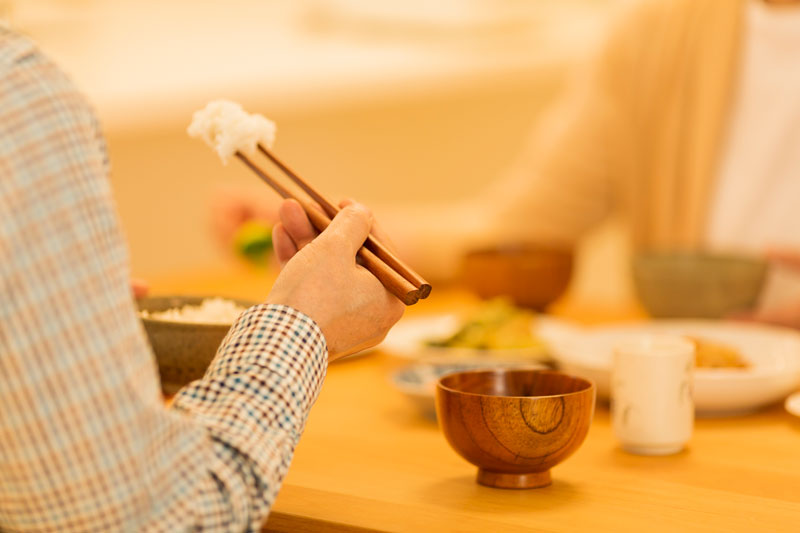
(779, 302)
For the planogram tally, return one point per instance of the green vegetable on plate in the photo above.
(253, 241)
(496, 324)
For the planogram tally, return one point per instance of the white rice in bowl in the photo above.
(227, 128)
(210, 311)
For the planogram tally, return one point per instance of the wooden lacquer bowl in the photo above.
(532, 276)
(514, 425)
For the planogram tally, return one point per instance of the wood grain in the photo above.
(514, 425)
(368, 460)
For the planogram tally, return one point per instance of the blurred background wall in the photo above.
(386, 101)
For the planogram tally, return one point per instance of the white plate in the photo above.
(793, 404)
(773, 353)
(407, 340)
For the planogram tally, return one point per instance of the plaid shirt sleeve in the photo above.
(85, 440)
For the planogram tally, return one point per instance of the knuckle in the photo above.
(358, 212)
(381, 336)
(392, 312)
(397, 311)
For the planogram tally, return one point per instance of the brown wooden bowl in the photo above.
(531, 276)
(514, 425)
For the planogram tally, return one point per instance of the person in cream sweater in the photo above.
(686, 126)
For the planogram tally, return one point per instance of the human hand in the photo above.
(779, 303)
(139, 288)
(322, 279)
(295, 230)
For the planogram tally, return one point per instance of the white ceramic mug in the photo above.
(652, 408)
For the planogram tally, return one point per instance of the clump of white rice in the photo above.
(227, 128)
(210, 311)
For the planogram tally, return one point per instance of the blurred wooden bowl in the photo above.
(531, 276)
(697, 285)
(514, 425)
(183, 350)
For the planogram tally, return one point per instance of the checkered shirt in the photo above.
(86, 443)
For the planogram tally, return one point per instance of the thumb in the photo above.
(348, 230)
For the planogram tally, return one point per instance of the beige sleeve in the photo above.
(560, 186)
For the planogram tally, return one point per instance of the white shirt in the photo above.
(756, 202)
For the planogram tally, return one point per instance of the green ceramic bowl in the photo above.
(183, 350)
(697, 285)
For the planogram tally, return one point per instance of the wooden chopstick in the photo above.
(372, 243)
(394, 282)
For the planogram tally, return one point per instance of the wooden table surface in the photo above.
(369, 461)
